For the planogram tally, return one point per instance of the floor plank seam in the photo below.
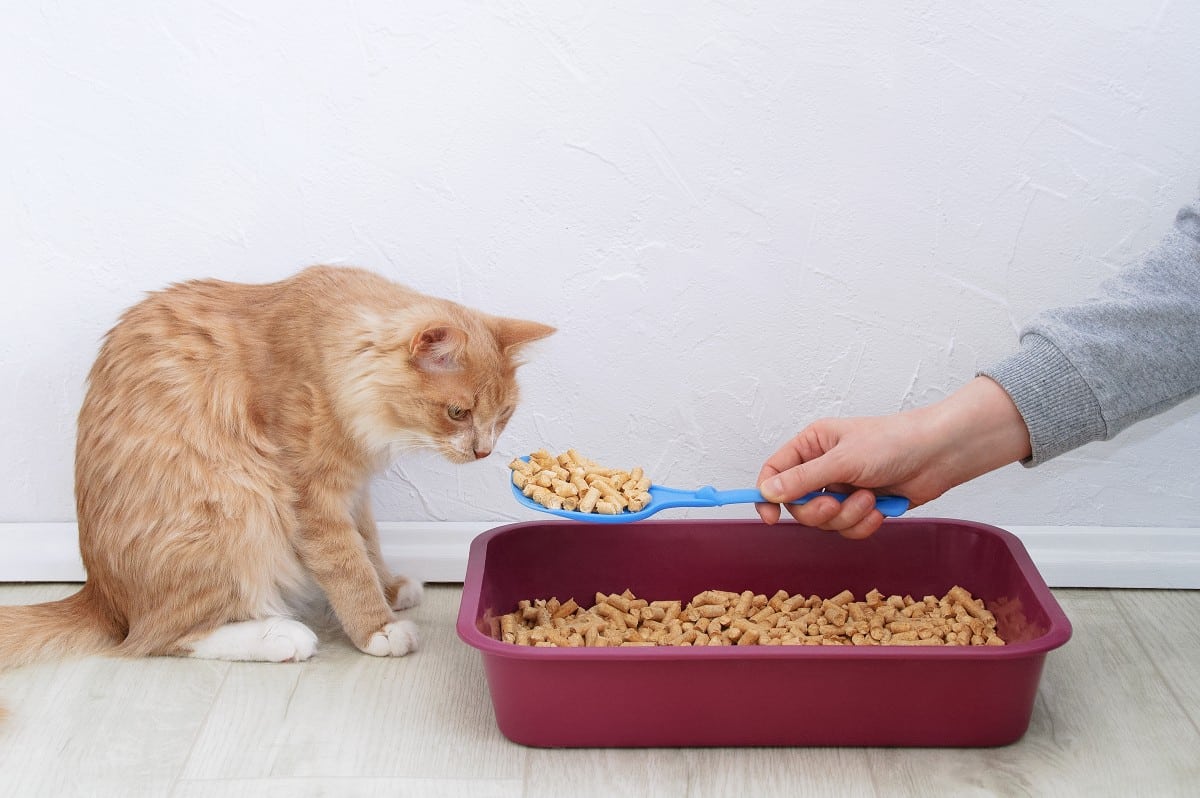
(1148, 656)
(200, 727)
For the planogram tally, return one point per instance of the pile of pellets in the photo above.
(572, 482)
(724, 618)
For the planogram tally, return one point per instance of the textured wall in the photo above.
(742, 216)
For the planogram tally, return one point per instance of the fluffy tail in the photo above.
(73, 626)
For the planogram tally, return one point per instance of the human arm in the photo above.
(919, 454)
(1083, 373)
(1087, 371)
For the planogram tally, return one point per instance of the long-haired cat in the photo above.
(223, 454)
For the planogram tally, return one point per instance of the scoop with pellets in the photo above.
(572, 486)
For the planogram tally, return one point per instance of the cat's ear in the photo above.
(512, 334)
(438, 348)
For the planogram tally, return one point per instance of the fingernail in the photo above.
(772, 487)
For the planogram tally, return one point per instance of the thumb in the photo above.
(800, 480)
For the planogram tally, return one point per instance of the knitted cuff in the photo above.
(1059, 408)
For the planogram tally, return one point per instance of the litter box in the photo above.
(671, 696)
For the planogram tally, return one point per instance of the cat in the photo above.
(223, 454)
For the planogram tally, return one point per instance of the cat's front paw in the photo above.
(289, 641)
(404, 593)
(273, 639)
(394, 640)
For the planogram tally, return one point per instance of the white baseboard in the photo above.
(436, 551)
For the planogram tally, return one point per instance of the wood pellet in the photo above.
(724, 618)
(570, 481)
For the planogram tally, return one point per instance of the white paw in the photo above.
(408, 595)
(289, 641)
(394, 640)
(261, 640)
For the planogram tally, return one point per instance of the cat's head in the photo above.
(443, 376)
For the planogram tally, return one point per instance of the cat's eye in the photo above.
(457, 413)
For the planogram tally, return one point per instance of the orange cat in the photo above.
(224, 449)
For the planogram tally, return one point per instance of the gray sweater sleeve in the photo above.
(1087, 371)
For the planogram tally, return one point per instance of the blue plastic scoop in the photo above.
(664, 498)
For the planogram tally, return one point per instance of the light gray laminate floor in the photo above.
(1118, 713)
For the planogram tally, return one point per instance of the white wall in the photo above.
(741, 216)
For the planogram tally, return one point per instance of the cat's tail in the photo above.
(74, 626)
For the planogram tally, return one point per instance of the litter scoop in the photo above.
(664, 498)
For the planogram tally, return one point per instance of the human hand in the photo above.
(918, 454)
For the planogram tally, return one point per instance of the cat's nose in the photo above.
(482, 453)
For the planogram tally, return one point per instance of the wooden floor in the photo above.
(1118, 713)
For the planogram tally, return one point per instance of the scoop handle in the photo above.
(888, 506)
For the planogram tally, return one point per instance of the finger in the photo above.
(787, 456)
(768, 470)
(864, 528)
(769, 513)
(801, 479)
(854, 508)
(792, 453)
(816, 513)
